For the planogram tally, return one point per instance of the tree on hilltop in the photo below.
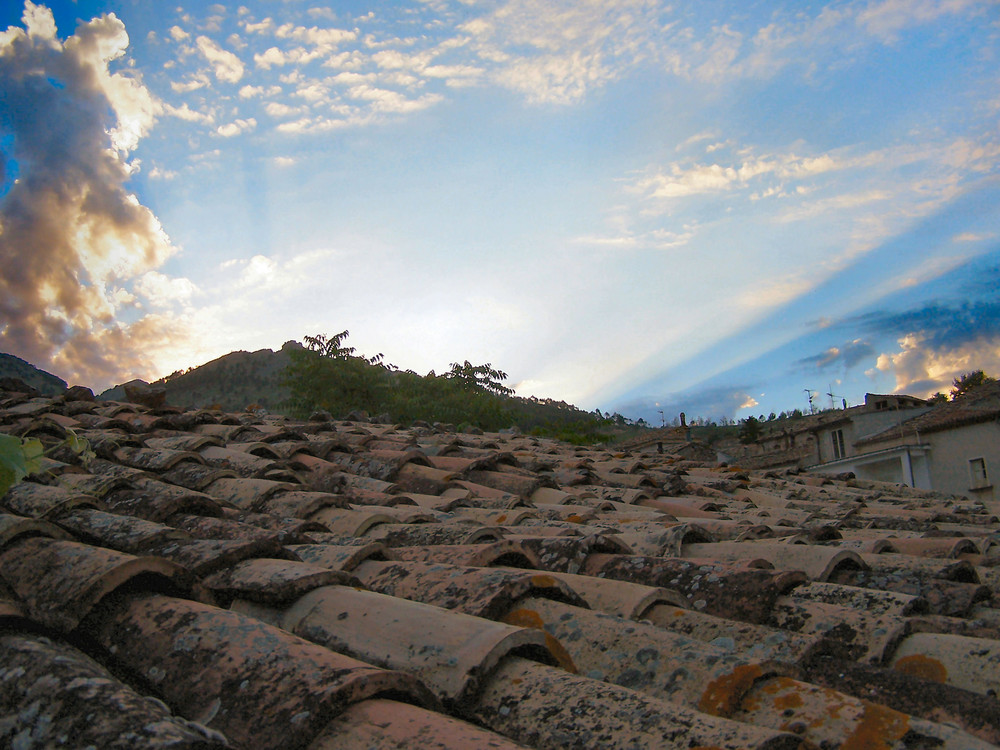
(968, 382)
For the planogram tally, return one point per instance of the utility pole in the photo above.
(809, 395)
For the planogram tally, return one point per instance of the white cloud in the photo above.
(184, 112)
(226, 65)
(250, 92)
(886, 18)
(161, 174)
(841, 202)
(556, 52)
(277, 109)
(164, 291)
(973, 237)
(383, 100)
(922, 371)
(681, 179)
(315, 36)
(236, 127)
(39, 22)
(195, 82)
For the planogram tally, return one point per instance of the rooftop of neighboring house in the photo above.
(211, 579)
(981, 404)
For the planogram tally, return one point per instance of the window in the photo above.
(977, 473)
(837, 436)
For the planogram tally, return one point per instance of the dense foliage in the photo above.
(328, 375)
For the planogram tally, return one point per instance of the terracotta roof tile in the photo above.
(271, 689)
(46, 502)
(157, 501)
(380, 724)
(202, 557)
(122, 533)
(506, 552)
(43, 684)
(13, 528)
(273, 582)
(60, 582)
(483, 592)
(591, 713)
(779, 606)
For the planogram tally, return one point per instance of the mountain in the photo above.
(233, 382)
(45, 383)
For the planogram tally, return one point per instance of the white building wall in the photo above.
(951, 451)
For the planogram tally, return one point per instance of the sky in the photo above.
(634, 206)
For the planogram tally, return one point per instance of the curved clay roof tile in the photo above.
(344, 558)
(273, 582)
(122, 533)
(590, 713)
(46, 502)
(483, 592)
(14, 528)
(452, 653)
(54, 679)
(381, 724)
(259, 685)
(60, 582)
(407, 535)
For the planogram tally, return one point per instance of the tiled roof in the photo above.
(981, 404)
(216, 580)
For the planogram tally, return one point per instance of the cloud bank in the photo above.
(72, 236)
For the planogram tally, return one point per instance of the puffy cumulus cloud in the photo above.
(163, 291)
(72, 237)
(384, 100)
(921, 370)
(328, 37)
(938, 342)
(236, 127)
(226, 66)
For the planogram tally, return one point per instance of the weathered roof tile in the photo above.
(44, 684)
(258, 684)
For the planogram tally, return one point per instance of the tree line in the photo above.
(326, 374)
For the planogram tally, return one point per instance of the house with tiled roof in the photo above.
(825, 437)
(203, 579)
(953, 447)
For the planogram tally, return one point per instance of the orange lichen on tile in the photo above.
(722, 696)
(922, 666)
(879, 729)
(527, 618)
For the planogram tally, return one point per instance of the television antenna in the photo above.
(809, 395)
(832, 397)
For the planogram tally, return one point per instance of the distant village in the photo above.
(947, 446)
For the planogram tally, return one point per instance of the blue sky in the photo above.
(630, 205)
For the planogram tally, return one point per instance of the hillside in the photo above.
(232, 382)
(296, 381)
(46, 383)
